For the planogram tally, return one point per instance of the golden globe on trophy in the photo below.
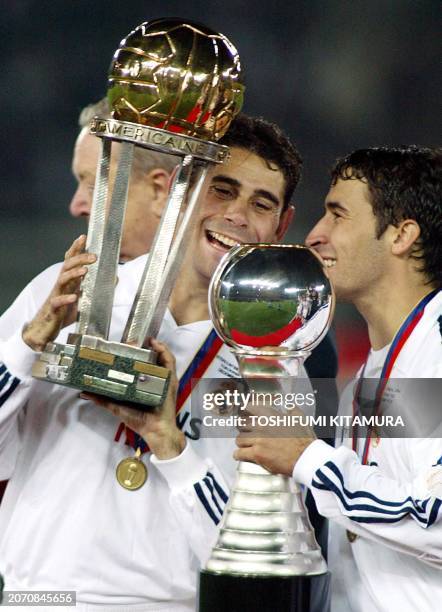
(174, 87)
(271, 304)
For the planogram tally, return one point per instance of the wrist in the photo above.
(167, 443)
(31, 338)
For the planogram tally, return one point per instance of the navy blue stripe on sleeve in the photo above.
(382, 502)
(363, 506)
(218, 488)
(8, 384)
(434, 511)
(212, 493)
(205, 503)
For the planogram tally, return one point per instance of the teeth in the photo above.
(329, 263)
(223, 239)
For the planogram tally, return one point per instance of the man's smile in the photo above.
(329, 262)
(221, 241)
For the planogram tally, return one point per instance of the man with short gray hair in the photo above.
(148, 187)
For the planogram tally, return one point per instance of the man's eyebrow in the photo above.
(268, 195)
(336, 206)
(227, 179)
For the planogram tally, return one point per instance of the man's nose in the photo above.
(81, 203)
(318, 235)
(236, 212)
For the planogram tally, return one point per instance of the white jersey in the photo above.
(393, 504)
(65, 522)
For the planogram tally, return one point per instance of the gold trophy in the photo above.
(174, 87)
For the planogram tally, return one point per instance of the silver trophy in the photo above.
(174, 87)
(272, 305)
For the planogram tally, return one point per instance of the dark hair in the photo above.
(404, 183)
(269, 142)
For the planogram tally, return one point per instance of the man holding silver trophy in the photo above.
(381, 240)
(66, 521)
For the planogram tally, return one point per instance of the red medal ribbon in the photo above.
(194, 371)
(397, 345)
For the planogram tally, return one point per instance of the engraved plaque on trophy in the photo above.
(272, 304)
(174, 87)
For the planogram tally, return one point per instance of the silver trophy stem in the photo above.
(265, 529)
(146, 300)
(95, 234)
(175, 260)
(102, 299)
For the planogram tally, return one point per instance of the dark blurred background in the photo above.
(335, 75)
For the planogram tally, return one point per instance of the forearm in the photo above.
(362, 499)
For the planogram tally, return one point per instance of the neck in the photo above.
(188, 302)
(385, 311)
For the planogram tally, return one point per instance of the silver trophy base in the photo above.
(124, 373)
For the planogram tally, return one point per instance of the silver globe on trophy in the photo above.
(271, 304)
(174, 87)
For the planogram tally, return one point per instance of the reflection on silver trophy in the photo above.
(272, 305)
(174, 87)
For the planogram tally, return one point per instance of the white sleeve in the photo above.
(198, 496)
(16, 360)
(14, 391)
(13, 396)
(404, 516)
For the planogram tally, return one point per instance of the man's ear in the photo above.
(284, 222)
(404, 236)
(159, 181)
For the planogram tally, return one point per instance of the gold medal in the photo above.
(351, 537)
(131, 472)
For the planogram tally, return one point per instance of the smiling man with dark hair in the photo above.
(381, 240)
(132, 550)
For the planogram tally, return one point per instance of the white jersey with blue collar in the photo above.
(393, 504)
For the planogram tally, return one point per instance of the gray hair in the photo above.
(145, 160)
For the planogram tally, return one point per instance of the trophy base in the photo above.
(121, 372)
(230, 593)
